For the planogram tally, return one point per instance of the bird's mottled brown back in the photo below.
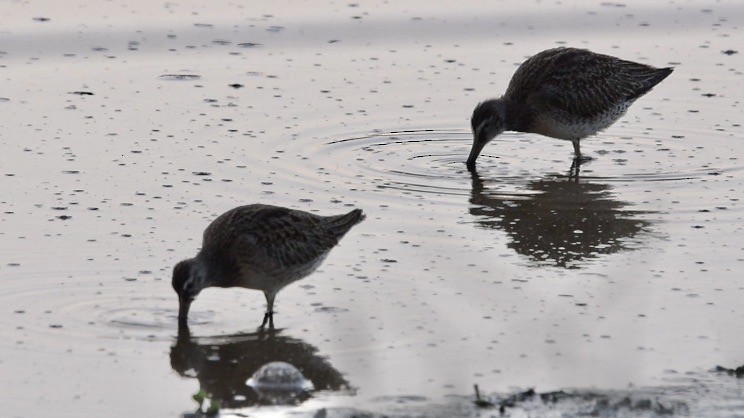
(270, 238)
(577, 82)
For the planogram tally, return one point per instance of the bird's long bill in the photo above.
(183, 311)
(475, 152)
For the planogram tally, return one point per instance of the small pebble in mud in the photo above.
(279, 378)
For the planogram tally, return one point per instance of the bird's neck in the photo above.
(501, 108)
(204, 276)
(511, 113)
(212, 267)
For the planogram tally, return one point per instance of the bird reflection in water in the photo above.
(223, 364)
(559, 220)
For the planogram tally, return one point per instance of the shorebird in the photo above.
(259, 247)
(564, 93)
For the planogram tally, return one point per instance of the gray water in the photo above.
(128, 126)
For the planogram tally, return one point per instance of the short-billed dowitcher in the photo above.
(259, 247)
(564, 93)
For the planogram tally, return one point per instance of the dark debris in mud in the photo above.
(180, 76)
(509, 402)
(737, 372)
(479, 402)
(587, 404)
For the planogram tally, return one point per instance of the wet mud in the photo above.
(128, 127)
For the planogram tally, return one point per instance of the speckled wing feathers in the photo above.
(579, 83)
(270, 238)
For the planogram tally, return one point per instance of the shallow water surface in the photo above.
(128, 128)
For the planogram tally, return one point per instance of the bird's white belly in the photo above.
(570, 128)
(277, 279)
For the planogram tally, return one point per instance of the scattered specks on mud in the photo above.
(180, 77)
(348, 106)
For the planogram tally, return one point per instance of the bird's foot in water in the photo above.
(268, 317)
(581, 159)
(575, 166)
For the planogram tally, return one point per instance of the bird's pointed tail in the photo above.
(341, 224)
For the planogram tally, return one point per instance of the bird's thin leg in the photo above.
(573, 173)
(578, 158)
(269, 315)
(577, 150)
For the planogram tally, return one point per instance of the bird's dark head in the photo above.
(187, 281)
(487, 122)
